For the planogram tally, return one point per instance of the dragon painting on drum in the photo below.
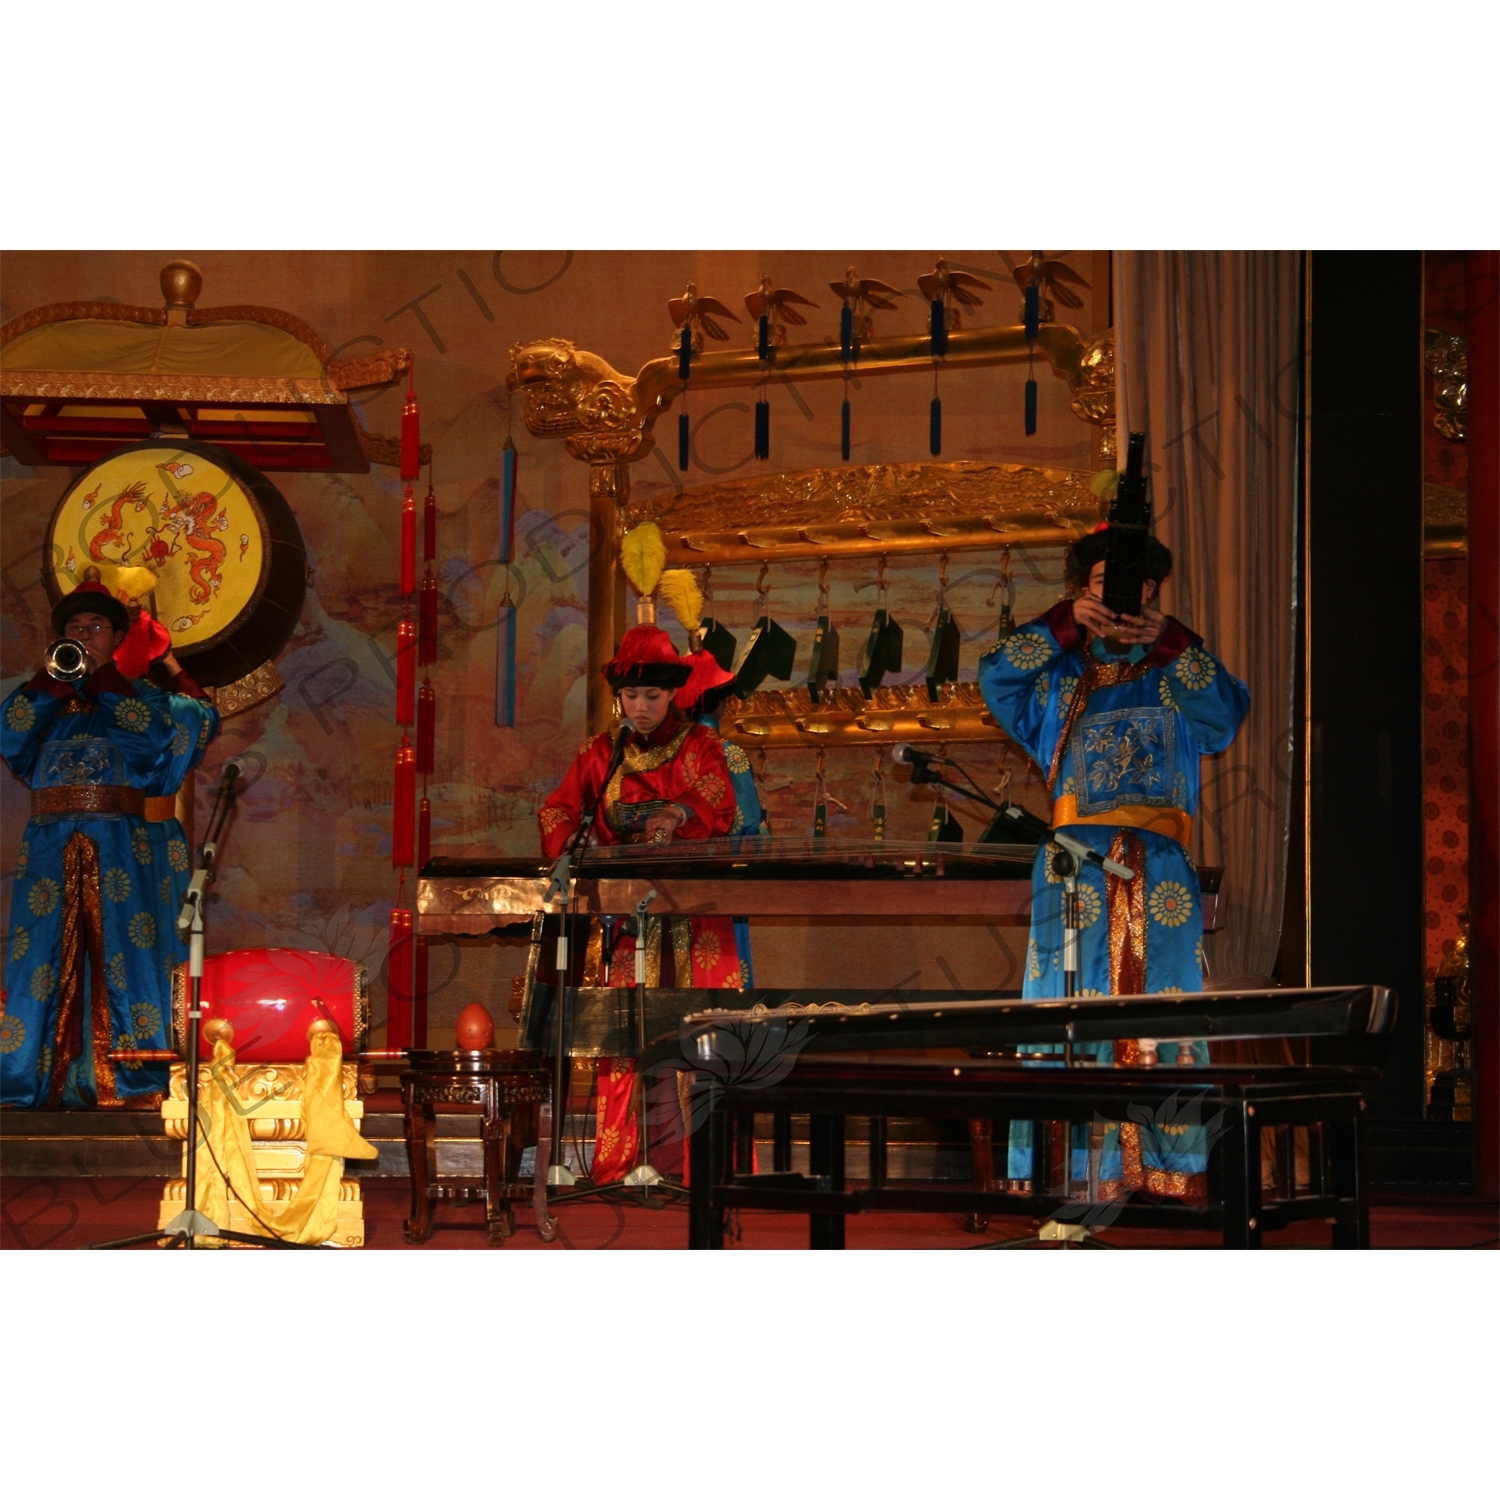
(204, 542)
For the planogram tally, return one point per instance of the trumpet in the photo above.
(67, 661)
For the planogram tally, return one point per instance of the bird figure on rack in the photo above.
(1051, 278)
(952, 288)
(776, 306)
(699, 312)
(860, 295)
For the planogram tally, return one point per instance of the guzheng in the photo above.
(751, 1028)
(1349, 1023)
(740, 877)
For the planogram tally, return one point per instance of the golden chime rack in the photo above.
(607, 420)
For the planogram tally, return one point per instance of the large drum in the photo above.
(227, 564)
(271, 996)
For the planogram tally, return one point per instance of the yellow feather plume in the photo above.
(680, 590)
(133, 583)
(643, 554)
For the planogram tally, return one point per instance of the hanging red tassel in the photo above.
(408, 545)
(419, 998)
(429, 523)
(427, 620)
(426, 728)
(398, 979)
(406, 672)
(403, 831)
(424, 832)
(411, 431)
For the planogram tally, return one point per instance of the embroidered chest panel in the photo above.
(1124, 756)
(80, 762)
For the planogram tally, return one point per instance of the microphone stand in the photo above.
(1026, 823)
(190, 1225)
(1069, 854)
(560, 883)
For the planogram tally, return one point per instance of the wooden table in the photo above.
(830, 1089)
(508, 1089)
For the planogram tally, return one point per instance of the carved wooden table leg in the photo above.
(421, 1157)
(499, 1220)
(982, 1150)
(826, 1153)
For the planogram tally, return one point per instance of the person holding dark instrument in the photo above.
(672, 784)
(1117, 707)
(103, 861)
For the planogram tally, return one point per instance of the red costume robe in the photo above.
(677, 762)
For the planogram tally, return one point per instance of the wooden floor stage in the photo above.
(62, 1213)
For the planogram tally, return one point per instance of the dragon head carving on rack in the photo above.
(568, 391)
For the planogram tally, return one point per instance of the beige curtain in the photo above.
(1206, 352)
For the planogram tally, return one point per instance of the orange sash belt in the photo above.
(1171, 821)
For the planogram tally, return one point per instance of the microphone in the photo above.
(908, 755)
(920, 761)
(234, 768)
(562, 870)
(1034, 830)
(623, 733)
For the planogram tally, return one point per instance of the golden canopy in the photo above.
(80, 379)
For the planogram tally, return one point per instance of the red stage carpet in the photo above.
(64, 1213)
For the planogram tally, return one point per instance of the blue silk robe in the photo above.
(130, 875)
(1119, 739)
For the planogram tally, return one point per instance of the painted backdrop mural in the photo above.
(308, 863)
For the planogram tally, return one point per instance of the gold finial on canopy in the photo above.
(181, 282)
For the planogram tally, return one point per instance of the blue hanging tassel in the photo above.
(846, 334)
(1033, 310)
(844, 425)
(508, 456)
(685, 353)
(682, 442)
(762, 429)
(1030, 408)
(939, 329)
(935, 428)
(764, 348)
(505, 667)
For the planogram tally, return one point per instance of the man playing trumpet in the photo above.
(103, 863)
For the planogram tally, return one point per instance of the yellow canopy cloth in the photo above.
(245, 349)
(309, 1217)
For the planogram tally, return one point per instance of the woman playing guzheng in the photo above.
(1117, 711)
(672, 784)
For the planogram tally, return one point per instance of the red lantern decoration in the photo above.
(419, 1006)
(426, 729)
(398, 983)
(424, 833)
(406, 672)
(408, 545)
(427, 620)
(411, 431)
(429, 524)
(403, 832)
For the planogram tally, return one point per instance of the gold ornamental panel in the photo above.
(872, 509)
(844, 716)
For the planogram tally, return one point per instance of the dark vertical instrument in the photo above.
(1129, 531)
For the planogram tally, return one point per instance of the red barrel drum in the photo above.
(271, 996)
